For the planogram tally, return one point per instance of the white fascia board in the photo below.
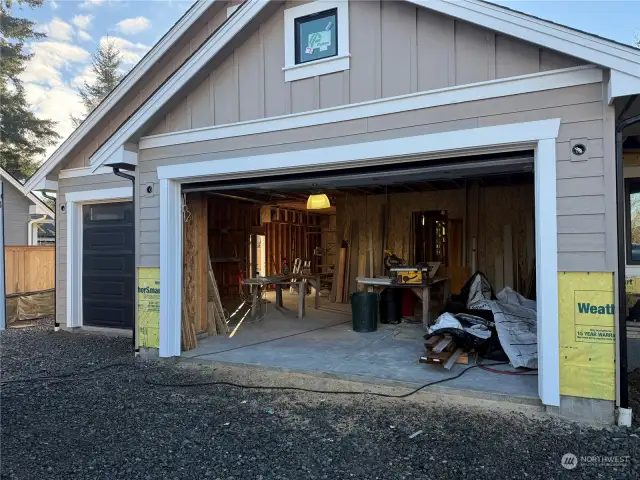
(46, 185)
(138, 72)
(127, 153)
(84, 172)
(588, 47)
(535, 82)
(363, 153)
(621, 84)
(4, 175)
(100, 195)
(171, 87)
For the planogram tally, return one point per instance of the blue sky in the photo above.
(75, 29)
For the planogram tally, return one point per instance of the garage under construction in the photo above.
(368, 272)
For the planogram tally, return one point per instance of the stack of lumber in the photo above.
(442, 350)
(346, 268)
(216, 320)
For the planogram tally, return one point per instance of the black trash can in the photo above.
(391, 305)
(364, 312)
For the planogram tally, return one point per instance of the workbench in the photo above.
(299, 279)
(423, 292)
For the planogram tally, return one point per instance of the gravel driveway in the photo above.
(113, 425)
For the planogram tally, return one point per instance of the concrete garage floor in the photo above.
(323, 342)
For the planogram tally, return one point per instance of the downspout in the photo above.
(622, 296)
(30, 228)
(117, 172)
(56, 325)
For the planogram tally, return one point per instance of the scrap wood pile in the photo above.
(443, 350)
(216, 318)
(216, 322)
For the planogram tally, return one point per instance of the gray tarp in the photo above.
(515, 318)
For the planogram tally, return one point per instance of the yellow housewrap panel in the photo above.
(587, 335)
(149, 307)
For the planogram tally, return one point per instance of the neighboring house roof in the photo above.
(622, 60)
(6, 176)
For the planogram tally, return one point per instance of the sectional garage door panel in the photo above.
(108, 265)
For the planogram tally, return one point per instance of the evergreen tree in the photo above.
(23, 136)
(105, 65)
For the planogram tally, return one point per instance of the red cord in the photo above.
(493, 370)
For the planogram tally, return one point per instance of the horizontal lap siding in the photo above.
(16, 215)
(68, 185)
(585, 221)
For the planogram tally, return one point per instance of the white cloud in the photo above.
(82, 35)
(54, 4)
(131, 26)
(48, 60)
(82, 21)
(55, 104)
(86, 75)
(57, 29)
(91, 3)
(130, 52)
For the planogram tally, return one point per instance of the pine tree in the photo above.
(23, 136)
(105, 65)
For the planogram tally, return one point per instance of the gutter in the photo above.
(622, 296)
(30, 228)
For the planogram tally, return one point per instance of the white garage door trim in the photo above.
(539, 136)
(73, 206)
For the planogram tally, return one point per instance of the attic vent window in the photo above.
(317, 36)
(316, 39)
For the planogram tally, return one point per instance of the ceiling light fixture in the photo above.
(318, 201)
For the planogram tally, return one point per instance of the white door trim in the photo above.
(73, 206)
(539, 136)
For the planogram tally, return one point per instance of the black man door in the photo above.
(108, 274)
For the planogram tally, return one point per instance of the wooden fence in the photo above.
(29, 269)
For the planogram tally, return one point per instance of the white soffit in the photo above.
(138, 72)
(445, 96)
(621, 84)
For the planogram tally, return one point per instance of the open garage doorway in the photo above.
(285, 273)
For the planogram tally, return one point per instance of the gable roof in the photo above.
(623, 60)
(109, 102)
(6, 176)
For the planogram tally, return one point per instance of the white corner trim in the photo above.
(73, 205)
(326, 65)
(541, 136)
(74, 264)
(180, 77)
(100, 195)
(84, 172)
(366, 152)
(445, 96)
(556, 37)
(170, 268)
(141, 69)
(621, 84)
